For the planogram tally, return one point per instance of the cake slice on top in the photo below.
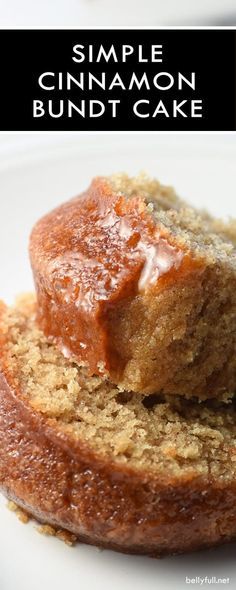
(140, 287)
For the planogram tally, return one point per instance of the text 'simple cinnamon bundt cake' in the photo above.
(140, 287)
(140, 474)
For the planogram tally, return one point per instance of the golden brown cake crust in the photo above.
(147, 297)
(62, 480)
(87, 259)
(102, 504)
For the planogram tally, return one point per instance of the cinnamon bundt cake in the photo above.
(139, 287)
(136, 473)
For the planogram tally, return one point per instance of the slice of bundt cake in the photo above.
(140, 287)
(134, 473)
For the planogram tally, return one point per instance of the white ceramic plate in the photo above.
(37, 173)
(87, 13)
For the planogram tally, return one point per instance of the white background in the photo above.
(79, 13)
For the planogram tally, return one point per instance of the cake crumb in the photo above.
(161, 433)
(12, 506)
(21, 514)
(45, 529)
(65, 536)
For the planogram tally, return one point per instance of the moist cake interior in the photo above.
(195, 229)
(171, 436)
